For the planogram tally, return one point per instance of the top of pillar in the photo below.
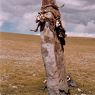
(47, 2)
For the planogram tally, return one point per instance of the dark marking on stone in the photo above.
(45, 51)
(66, 93)
(48, 39)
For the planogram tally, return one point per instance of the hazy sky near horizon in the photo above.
(19, 16)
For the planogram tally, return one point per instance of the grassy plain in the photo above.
(22, 69)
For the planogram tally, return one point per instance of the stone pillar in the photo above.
(53, 56)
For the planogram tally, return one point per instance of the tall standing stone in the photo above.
(53, 55)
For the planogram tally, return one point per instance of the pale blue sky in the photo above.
(19, 16)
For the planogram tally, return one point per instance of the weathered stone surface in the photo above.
(53, 55)
(54, 63)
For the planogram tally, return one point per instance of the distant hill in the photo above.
(16, 36)
(7, 35)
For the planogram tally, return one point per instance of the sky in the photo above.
(18, 16)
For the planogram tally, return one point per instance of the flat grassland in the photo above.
(22, 69)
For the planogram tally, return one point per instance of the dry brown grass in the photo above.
(22, 70)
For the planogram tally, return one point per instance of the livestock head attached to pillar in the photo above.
(50, 16)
